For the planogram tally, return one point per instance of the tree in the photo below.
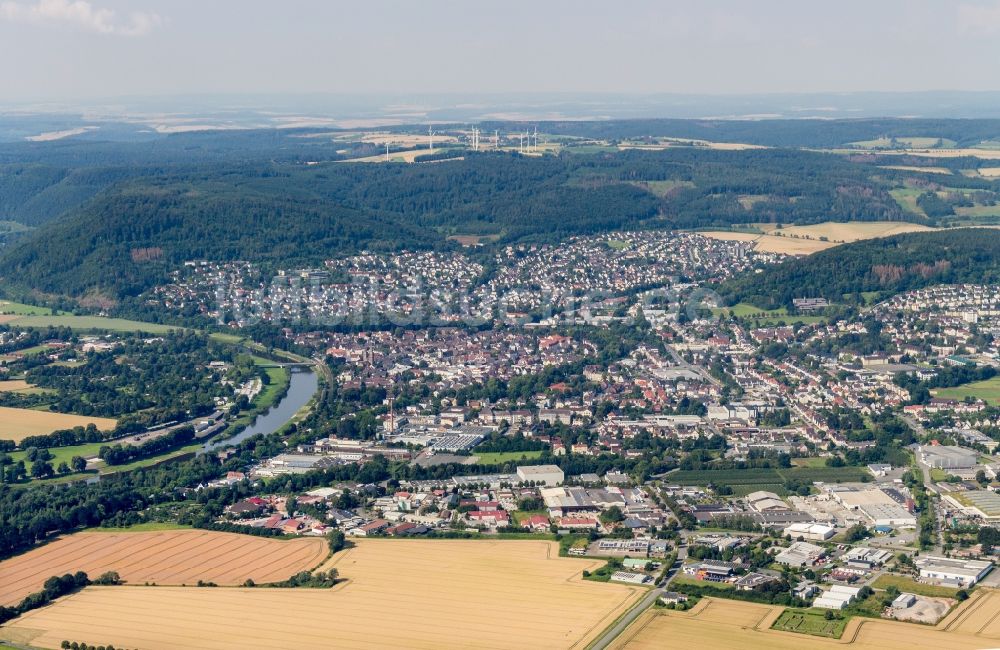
(828, 615)
(63, 468)
(78, 463)
(41, 469)
(613, 514)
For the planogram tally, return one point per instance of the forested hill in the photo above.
(130, 235)
(888, 266)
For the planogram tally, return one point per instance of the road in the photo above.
(930, 487)
(680, 361)
(647, 601)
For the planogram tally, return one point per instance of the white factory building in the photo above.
(810, 532)
(952, 571)
(540, 474)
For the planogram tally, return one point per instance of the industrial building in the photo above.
(952, 571)
(800, 554)
(838, 597)
(541, 474)
(948, 457)
(811, 532)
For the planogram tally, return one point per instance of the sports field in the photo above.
(18, 424)
(398, 594)
(724, 624)
(170, 557)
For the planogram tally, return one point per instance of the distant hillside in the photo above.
(130, 233)
(890, 265)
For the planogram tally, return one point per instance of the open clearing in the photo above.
(18, 424)
(88, 323)
(989, 172)
(14, 386)
(398, 594)
(723, 625)
(988, 391)
(908, 168)
(171, 557)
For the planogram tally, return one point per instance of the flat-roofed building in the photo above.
(948, 456)
(811, 532)
(952, 571)
(541, 474)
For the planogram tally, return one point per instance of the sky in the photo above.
(65, 50)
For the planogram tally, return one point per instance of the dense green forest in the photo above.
(130, 235)
(890, 265)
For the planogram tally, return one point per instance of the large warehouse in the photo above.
(948, 456)
(541, 474)
(952, 571)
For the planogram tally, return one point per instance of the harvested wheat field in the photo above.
(398, 593)
(726, 624)
(849, 231)
(172, 557)
(18, 424)
(14, 386)
(773, 244)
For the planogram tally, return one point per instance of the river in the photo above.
(302, 387)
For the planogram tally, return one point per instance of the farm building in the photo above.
(952, 571)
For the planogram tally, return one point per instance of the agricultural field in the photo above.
(989, 172)
(18, 424)
(507, 594)
(850, 231)
(170, 557)
(726, 624)
(904, 143)
(771, 243)
(85, 323)
(988, 390)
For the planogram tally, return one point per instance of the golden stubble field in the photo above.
(805, 240)
(398, 593)
(725, 624)
(18, 424)
(172, 557)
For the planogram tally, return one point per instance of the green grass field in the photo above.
(497, 457)
(8, 307)
(762, 317)
(89, 323)
(988, 390)
(909, 585)
(810, 621)
(660, 188)
(907, 199)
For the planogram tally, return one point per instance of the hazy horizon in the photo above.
(80, 51)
